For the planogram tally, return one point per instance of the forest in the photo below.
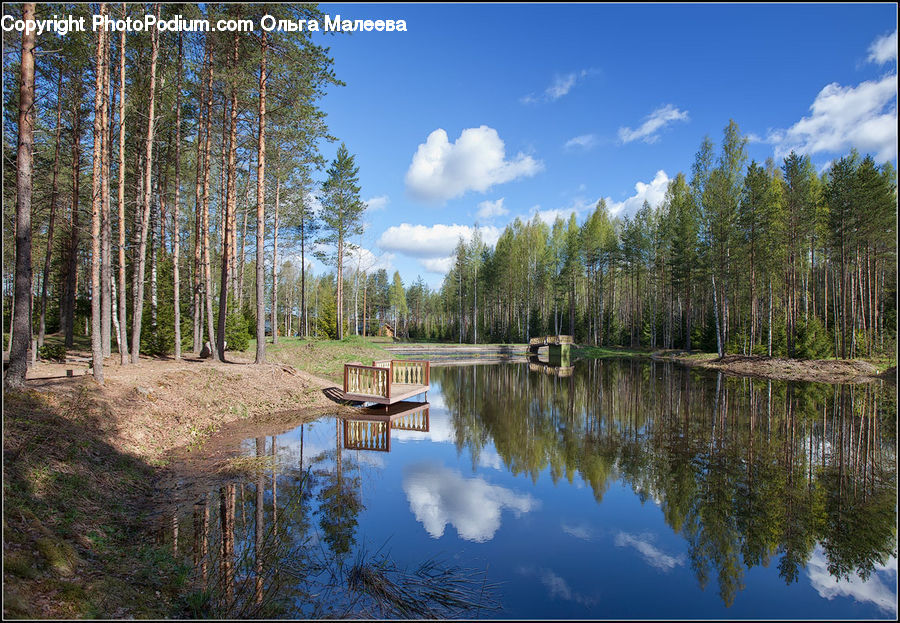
(180, 175)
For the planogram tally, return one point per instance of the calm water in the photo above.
(609, 490)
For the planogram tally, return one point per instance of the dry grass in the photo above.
(79, 465)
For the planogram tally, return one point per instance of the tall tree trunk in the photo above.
(227, 237)
(275, 264)
(304, 321)
(198, 219)
(67, 308)
(261, 214)
(207, 271)
(96, 205)
(145, 224)
(54, 194)
(105, 225)
(176, 230)
(21, 334)
(123, 327)
(238, 282)
(340, 289)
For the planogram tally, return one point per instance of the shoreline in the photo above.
(834, 371)
(86, 467)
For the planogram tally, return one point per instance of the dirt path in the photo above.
(819, 371)
(162, 404)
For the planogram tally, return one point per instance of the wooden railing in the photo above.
(416, 421)
(410, 371)
(367, 435)
(551, 339)
(367, 380)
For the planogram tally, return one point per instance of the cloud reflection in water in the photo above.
(438, 496)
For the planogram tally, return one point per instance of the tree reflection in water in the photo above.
(297, 557)
(745, 470)
(749, 472)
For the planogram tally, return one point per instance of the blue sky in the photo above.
(482, 113)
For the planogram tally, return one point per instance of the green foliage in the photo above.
(237, 334)
(52, 352)
(812, 341)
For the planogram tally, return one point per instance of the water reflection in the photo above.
(280, 540)
(535, 364)
(745, 470)
(438, 496)
(371, 430)
(792, 480)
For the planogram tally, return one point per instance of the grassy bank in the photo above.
(74, 542)
(81, 462)
(323, 358)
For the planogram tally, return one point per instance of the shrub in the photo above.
(813, 341)
(52, 352)
(236, 335)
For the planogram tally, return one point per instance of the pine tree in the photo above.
(341, 216)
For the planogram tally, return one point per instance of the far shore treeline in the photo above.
(173, 173)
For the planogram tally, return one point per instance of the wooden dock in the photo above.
(549, 340)
(386, 382)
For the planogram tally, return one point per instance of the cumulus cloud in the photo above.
(653, 192)
(433, 244)
(873, 590)
(883, 49)
(438, 496)
(441, 170)
(862, 116)
(438, 265)
(651, 554)
(491, 209)
(584, 141)
(656, 121)
(366, 260)
(377, 203)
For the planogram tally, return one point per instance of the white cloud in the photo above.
(579, 531)
(377, 203)
(883, 49)
(585, 141)
(440, 428)
(873, 590)
(438, 265)
(368, 261)
(652, 555)
(652, 192)
(432, 241)
(864, 117)
(488, 457)
(656, 121)
(491, 209)
(441, 170)
(438, 496)
(561, 85)
(557, 585)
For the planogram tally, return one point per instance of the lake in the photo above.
(611, 489)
